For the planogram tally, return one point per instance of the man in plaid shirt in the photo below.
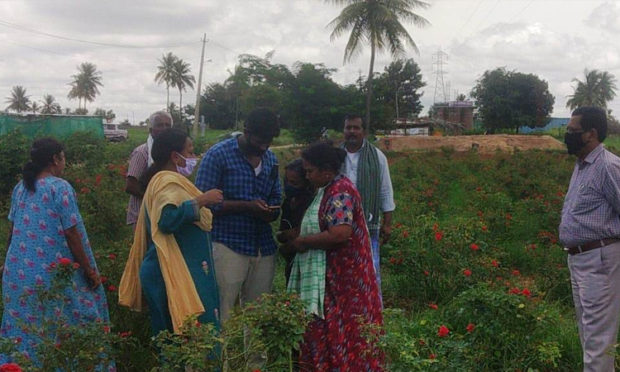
(243, 246)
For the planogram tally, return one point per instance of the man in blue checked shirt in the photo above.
(243, 246)
(590, 232)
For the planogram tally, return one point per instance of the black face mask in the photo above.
(573, 142)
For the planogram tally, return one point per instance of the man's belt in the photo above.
(590, 245)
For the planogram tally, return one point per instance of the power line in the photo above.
(521, 11)
(61, 37)
(33, 48)
(470, 16)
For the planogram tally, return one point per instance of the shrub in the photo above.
(14, 153)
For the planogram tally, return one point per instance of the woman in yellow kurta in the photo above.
(171, 259)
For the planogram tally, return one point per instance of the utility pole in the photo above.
(197, 109)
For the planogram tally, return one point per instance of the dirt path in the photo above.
(485, 144)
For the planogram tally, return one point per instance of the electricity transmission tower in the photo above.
(439, 60)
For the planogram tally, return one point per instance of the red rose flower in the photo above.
(426, 273)
(515, 290)
(112, 256)
(470, 327)
(467, 272)
(405, 234)
(98, 179)
(484, 228)
(111, 288)
(438, 236)
(433, 306)
(443, 331)
(106, 329)
(10, 367)
(494, 263)
(432, 356)
(516, 272)
(76, 265)
(474, 247)
(64, 261)
(526, 292)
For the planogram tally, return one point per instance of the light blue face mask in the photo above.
(190, 164)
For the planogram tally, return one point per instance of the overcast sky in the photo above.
(555, 40)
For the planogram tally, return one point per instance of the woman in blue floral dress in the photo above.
(46, 230)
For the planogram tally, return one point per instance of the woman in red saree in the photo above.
(351, 303)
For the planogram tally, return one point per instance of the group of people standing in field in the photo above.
(202, 248)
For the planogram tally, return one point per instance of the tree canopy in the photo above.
(85, 84)
(510, 99)
(306, 97)
(18, 100)
(378, 23)
(598, 88)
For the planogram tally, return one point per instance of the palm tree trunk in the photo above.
(167, 97)
(181, 105)
(369, 90)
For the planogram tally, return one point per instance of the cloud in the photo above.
(605, 17)
(296, 30)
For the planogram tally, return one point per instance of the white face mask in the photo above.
(190, 164)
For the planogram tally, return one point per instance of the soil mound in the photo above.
(484, 144)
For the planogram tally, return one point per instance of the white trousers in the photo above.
(240, 277)
(595, 279)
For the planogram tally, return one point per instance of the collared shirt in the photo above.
(138, 163)
(592, 204)
(226, 168)
(386, 196)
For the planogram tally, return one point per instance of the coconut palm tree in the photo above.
(18, 101)
(598, 88)
(181, 79)
(165, 73)
(35, 107)
(49, 105)
(377, 22)
(85, 84)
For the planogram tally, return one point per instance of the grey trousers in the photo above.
(240, 277)
(595, 279)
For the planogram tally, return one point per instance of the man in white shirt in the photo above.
(367, 167)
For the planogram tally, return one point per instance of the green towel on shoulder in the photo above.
(308, 273)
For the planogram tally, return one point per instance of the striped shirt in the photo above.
(225, 167)
(138, 163)
(592, 204)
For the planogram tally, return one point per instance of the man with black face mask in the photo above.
(243, 246)
(590, 232)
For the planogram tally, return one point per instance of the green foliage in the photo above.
(84, 148)
(598, 88)
(398, 88)
(268, 329)
(489, 329)
(510, 99)
(196, 347)
(306, 97)
(14, 153)
(263, 334)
